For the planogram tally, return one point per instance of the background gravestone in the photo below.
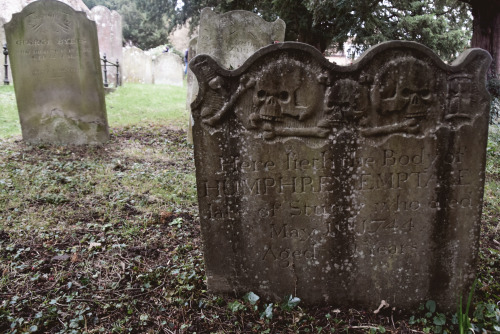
(190, 81)
(137, 66)
(168, 69)
(109, 32)
(56, 45)
(342, 185)
(232, 37)
(189, 75)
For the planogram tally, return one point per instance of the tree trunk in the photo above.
(486, 31)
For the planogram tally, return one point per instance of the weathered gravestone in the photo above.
(168, 69)
(137, 66)
(109, 33)
(190, 81)
(232, 37)
(57, 76)
(342, 185)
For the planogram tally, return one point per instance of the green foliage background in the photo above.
(442, 25)
(145, 22)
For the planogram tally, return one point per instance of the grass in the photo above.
(131, 104)
(9, 118)
(106, 239)
(136, 104)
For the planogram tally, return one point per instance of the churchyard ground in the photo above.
(106, 239)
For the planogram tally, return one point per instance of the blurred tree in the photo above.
(442, 25)
(486, 32)
(145, 22)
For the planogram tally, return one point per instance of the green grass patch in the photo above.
(138, 104)
(9, 117)
(131, 104)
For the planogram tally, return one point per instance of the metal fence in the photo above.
(6, 65)
(105, 64)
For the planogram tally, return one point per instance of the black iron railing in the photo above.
(6, 65)
(105, 65)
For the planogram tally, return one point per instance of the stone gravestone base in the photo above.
(342, 185)
(57, 75)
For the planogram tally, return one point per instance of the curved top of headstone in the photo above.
(103, 9)
(131, 49)
(396, 87)
(41, 3)
(77, 5)
(277, 27)
(233, 36)
(463, 59)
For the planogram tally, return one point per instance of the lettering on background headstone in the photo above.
(342, 185)
(57, 74)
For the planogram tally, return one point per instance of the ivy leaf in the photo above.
(268, 313)
(251, 297)
(290, 302)
(235, 306)
(431, 306)
(439, 319)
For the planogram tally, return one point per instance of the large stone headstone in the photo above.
(57, 75)
(342, 185)
(232, 37)
(110, 35)
(137, 66)
(168, 69)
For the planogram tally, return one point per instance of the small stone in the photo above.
(64, 257)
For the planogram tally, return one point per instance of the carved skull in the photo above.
(405, 86)
(275, 93)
